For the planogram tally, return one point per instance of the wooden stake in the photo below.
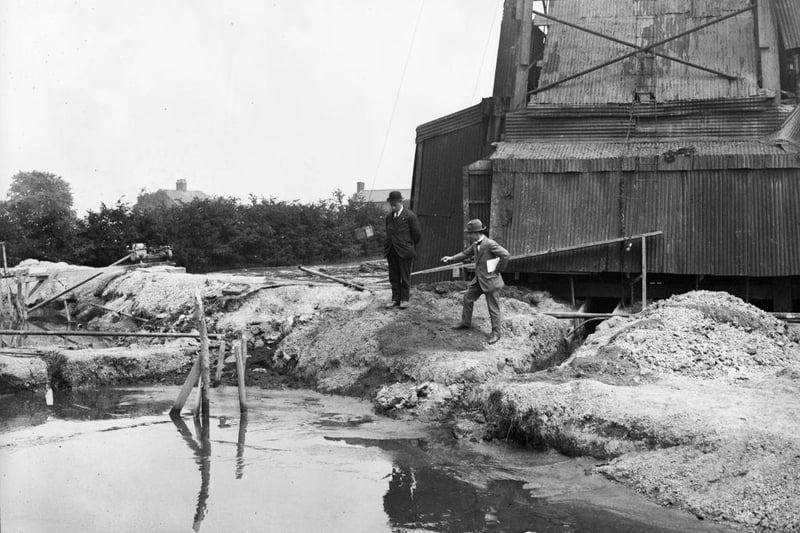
(220, 364)
(241, 355)
(205, 365)
(188, 385)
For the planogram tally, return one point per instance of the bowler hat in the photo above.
(395, 196)
(474, 225)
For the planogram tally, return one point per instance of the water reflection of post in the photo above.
(240, 446)
(202, 454)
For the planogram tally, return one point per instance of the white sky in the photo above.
(283, 98)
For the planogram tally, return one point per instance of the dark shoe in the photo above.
(493, 338)
(391, 304)
(461, 326)
(404, 305)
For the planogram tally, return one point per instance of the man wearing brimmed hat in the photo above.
(402, 236)
(490, 260)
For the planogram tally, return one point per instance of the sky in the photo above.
(290, 99)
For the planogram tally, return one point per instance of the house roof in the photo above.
(184, 196)
(728, 46)
(380, 195)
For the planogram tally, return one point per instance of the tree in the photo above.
(40, 204)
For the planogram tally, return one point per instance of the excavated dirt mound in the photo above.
(354, 350)
(700, 334)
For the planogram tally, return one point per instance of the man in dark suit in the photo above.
(402, 236)
(490, 260)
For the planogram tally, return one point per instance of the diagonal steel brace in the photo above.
(640, 49)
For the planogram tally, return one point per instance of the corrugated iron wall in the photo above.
(738, 222)
(444, 148)
(727, 46)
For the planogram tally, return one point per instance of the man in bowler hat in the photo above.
(490, 260)
(402, 236)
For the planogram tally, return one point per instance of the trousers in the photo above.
(399, 276)
(492, 302)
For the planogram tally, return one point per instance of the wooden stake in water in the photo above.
(241, 356)
(186, 390)
(205, 365)
(220, 364)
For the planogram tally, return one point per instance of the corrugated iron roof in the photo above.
(710, 120)
(450, 123)
(727, 46)
(674, 155)
(787, 13)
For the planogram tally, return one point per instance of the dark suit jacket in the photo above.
(402, 233)
(489, 249)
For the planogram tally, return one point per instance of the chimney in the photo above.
(359, 187)
(180, 185)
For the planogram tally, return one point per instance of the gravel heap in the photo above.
(700, 334)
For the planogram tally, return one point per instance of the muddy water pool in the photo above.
(113, 460)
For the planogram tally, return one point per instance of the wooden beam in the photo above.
(80, 333)
(333, 278)
(519, 98)
(768, 46)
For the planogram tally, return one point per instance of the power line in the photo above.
(397, 96)
(485, 48)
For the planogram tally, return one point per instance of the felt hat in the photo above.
(395, 196)
(474, 225)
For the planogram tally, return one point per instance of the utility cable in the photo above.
(397, 96)
(485, 48)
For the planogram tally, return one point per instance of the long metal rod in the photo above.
(547, 252)
(643, 49)
(638, 48)
(28, 333)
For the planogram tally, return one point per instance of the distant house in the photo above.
(379, 196)
(169, 197)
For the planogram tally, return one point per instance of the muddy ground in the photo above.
(692, 402)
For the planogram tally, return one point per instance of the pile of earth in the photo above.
(413, 357)
(692, 402)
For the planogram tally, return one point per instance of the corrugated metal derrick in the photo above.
(643, 23)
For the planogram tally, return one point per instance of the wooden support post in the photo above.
(205, 365)
(768, 47)
(220, 364)
(241, 355)
(5, 262)
(644, 273)
(572, 290)
(522, 59)
(188, 385)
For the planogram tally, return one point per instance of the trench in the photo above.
(112, 459)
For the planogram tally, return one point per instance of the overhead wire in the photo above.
(485, 48)
(397, 95)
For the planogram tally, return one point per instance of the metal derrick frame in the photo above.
(639, 49)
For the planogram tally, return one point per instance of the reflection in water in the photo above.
(201, 448)
(202, 453)
(240, 446)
